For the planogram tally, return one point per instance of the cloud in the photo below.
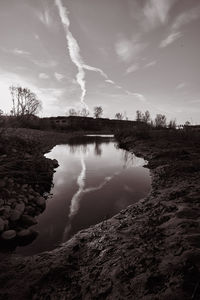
(170, 39)
(186, 18)
(45, 64)
(59, 76)
(150, 64)
(20, 52)
(43, 76)
(128, 49)
(36, 36)
(156, 12)
(180, 85)
(138, 96)
(132, 68)
(16, 51)
(110, 81)
(44, 17)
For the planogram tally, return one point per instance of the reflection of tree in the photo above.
(130, 160)
(97, 148)
(78, 148)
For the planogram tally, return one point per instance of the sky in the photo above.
(123, 55)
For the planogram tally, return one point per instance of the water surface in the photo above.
(94, 181)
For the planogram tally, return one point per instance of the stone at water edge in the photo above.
(8, 235)
(2, 183)
(20, 207)
(2, 224)
(24, 233)
(40, 201)
(28, 220)
(15, 215)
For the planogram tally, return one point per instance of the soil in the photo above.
(151, 250)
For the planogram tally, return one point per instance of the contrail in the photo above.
(74, 53)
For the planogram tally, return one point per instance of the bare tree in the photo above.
(1, 112)
(119, 116)
(187, 123)
(172, 124)
(146, 117)
(98, 111)
(139, 116)
(24, 101)
(72, 112)
(160, 120)
(84, 112)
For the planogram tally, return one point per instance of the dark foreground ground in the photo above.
(151, 250)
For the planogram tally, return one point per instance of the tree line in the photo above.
(26, 103)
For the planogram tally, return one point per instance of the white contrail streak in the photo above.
(73, 47)
(74, 53)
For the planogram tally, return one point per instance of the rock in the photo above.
(24, 186)
(27, 156)
(40, 201)
(12, 200)
(6, 225)
(30, 210)
(24, 233)
(14, 150)
(1, 202)
(20, 207)
(2, 183)
(10, 181)
(15, 215)
(31, 197)
(28, 220)
(2, 224)
(8, 234)
(7, 210)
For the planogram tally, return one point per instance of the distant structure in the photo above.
(88, 123)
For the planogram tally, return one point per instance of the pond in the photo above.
(94, 181)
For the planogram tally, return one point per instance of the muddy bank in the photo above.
(151, 250)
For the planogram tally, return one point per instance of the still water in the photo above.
(94, 181)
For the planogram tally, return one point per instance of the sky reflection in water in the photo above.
(94, 181)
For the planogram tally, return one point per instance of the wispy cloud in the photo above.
(20, 52)
(186, 18)
(150, 64)
(110, 81)
(180, 21)
(132, 68)
(156, 12)
(128, 49)
(44, 17)
(16, 51)
(45, 64)
(170, 39)
(139, 96)
(59, 76)
(43, 76)
(180, 85)
(36, 36)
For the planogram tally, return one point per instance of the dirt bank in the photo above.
(151, 250)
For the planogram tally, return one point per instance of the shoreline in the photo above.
(150, 250)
